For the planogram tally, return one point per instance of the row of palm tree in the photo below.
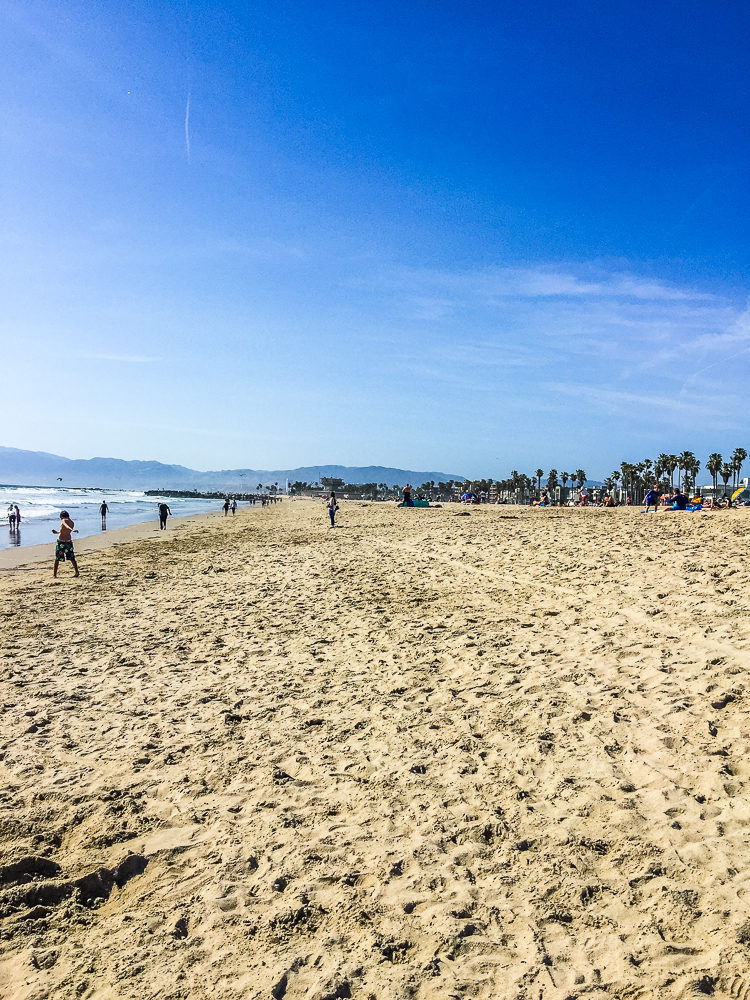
(634, 478)
(640, 475)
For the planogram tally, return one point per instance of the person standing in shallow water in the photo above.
(64, 547)
(104, 510)
(332, 508)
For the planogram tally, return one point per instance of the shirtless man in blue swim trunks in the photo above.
(64, 547)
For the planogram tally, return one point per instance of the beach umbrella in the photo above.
(737, 492)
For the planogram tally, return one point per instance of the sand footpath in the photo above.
(486, 754)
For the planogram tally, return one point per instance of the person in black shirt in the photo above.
(679, 501)
(164, 513)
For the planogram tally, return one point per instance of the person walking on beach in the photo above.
(234, 506)
(64, 547)
(18, 517)
(103, 510)
(332, 508)
(226, 506)
(164, 513)
(11, 517)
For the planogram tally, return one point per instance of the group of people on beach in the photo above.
(678, 500)
(14, 517)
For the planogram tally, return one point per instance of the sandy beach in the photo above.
(479, 753)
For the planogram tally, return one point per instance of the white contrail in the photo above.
(187, 127)
(721, 361)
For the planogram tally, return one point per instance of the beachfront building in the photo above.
(561, 494)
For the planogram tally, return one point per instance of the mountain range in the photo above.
(39, 468)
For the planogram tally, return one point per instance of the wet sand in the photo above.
(24, 555)
(433, 753)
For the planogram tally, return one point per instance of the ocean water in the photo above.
(41, 505)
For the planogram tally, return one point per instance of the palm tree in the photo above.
(713, 464)
(538, 474)
(671, 466)
(614, 476)
(580, 477)
(627, 474)
(738, 457)
(514, 480)
(690, 465)
(693, 468)
(552, 479)
(684, 462)
(725, 472)
(565, 476)
(639, 478)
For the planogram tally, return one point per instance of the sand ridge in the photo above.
(423, 755)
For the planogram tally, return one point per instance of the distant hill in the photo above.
(39, 468)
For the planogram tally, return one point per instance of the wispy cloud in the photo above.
(625, 341)
(571, 308)
(457, 289)
(671, 408)
(618, 399)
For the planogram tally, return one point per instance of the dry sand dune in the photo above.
(502, 755)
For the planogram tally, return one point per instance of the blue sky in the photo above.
(467, 237)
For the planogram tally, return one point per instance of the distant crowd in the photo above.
(675, 499)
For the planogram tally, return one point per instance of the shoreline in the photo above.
(142, 531)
